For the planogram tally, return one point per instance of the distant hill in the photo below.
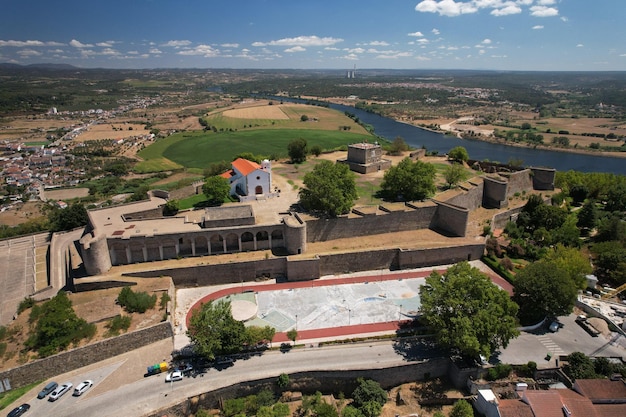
(8, 65)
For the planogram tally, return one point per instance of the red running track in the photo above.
(329, 332)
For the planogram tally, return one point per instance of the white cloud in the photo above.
(155, 51)
(423, 41)
(452, 8)
(446, 7)
(301, 41)
(378, 43)
(56, 51)
(507, 9)
(133, 52)
(78, 44)
(435, 31)
(355, 50)
(538, 27)
(394, 56)
(416, 34)
(28, 52)
(105, 44)
(110, 51)
(580, 45)
(230, 45)
(203, 50)
(351, 57)
(21, 44)
(177, 43)
(543, 11)
(331, 48)
(295, 49)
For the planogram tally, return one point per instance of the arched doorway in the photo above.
(258, 189)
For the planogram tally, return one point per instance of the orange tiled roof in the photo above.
(244, 166)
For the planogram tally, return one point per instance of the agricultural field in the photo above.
(200, 149)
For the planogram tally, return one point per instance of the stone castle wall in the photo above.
(543, 178)
(471, 195)
(326, 382)
(495, 193)
(46, 368)
(309, 269)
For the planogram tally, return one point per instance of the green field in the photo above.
(266, 137)
(200, 149)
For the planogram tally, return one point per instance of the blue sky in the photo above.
(330, 34)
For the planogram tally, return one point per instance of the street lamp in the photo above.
(296, 322)
(349, 316)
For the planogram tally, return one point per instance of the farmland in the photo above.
(267, 132)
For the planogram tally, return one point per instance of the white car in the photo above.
(174, 376)
(82, 387)
(59, 391)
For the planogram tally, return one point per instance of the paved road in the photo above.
(534, 346)
(153, 393)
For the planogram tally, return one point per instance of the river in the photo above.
(480, 150)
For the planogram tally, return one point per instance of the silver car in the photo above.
(59, 391)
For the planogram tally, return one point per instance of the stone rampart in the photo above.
(321, 230)
(326, 382)
(519, 181)
(450, 219)
(309, 269)
(495, 193)
(470, 195)
(543, 178)
(77, 358)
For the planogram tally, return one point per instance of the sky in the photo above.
(541, 35)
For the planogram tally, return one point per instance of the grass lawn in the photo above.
(8, 397)
(200, 149)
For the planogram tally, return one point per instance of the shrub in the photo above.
(25, 304)
(165, 298)
(283, 380)
(499, 371)
(118, 323)
(3, 332)
(136, 302)
(3, 348)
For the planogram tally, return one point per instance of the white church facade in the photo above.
(249, 180)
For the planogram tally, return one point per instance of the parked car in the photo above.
(82, 387)
(59, 391)
(174, 376)
(47, 389)
(18, 411)
(554, 326)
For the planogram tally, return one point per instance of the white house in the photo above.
(248, 180)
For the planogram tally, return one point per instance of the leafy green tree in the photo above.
(454, 174)
(280, 410)
(572, 261)
(462, 409)
(171, 208)
(58, 326)
(351, 411)
(616, 198)
(579, 193)
(543, 289)
(304, 118)
(283, 380)
(216, 189)
(136, 302)
(255, 334)
(368, 390)
(316, 150)
(579, 366)
(611, 227)
(292, 334)
(469, 314)
(610, 261)
(458, 154)
(588, 215)
(297, 150)
(398, 146)
(326, 410)
(371, 409)
(69, 218)
(330, 188)
(409, 181)
(216, 168)
(214, 331)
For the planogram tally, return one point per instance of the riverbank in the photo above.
(447, 128)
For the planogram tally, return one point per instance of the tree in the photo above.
(171, 208)
(297, 150)
(572, 261)
(458, 154)
(588, 215)
(68, 218)
(304, 118)
(368, 390)
(398, 146)
(292, 334)
(454, 174)
(136, 302)
(214, 331)
(216, 190)
(468, 313)
(58, 326)
(408, 181)
(543, 289)
(579, 366)
(462, 409)
(330, 188)
(216, 168)
(316, 150)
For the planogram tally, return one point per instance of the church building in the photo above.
(249, 180)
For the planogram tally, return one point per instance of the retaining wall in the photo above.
(327, 382)
(77, 358)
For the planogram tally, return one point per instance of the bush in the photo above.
(25, 304)
(3, 332)
(118, 323)
(283, 380)
(499, 371)
(165, 298)
(136, 302)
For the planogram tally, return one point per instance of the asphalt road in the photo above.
(152, 393)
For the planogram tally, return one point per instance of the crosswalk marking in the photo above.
(552, 347)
